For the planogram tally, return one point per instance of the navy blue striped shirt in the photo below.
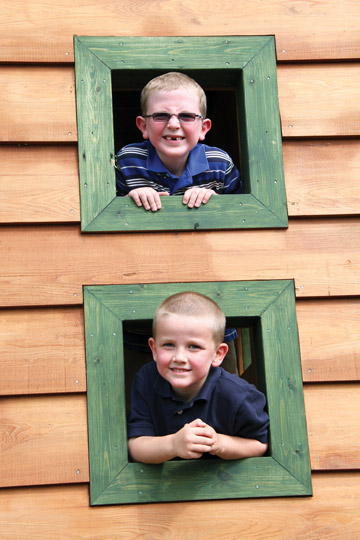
(138, 165)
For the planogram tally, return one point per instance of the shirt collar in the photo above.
(163, 387)
(196, 164)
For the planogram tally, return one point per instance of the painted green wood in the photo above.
(247, 64)
(270, 307)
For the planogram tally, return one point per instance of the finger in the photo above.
(162, 193)
(145, 200)
(191, 198)
(208, 194)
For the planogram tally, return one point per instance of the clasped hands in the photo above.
(195, 439)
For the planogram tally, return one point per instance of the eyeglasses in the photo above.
(164, 118)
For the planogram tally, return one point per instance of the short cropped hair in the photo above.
(172, 81)
(193, 304)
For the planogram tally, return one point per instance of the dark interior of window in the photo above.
(222, 110)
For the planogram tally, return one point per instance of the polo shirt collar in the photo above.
(197, 162)
(163, 387)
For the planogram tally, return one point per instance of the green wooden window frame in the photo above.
(270, 307)
(245, 63)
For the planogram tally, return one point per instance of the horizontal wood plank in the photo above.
(37, 103)
(44, 438)
(320, 100)
(63, 512)
(329, 334)
(48, 265)
(333, 420)
(316, 30)
(322, 177)
(43, 351)
(39, 184)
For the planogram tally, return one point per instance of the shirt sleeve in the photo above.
(252, 421)
(139, 421)
(232, 183)
(121, 185)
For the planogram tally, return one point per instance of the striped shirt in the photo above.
(138, 165)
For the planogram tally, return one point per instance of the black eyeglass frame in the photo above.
(190, 117)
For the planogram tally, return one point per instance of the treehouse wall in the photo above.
(45, 261)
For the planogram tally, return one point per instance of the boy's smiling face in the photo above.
(184, 350)
(173, 140)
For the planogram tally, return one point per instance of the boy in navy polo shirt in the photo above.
(171, 161)
(185, 405)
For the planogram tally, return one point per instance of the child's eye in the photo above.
(168, 345)
(193, 346)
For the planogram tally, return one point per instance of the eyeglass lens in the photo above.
(182, 117)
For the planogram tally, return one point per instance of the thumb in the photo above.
(161, 193)
(198, 423)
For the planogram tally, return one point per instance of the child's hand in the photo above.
(192, 440)
(147, 197)
(195, 196)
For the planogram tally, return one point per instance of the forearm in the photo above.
(151, 449)
(232, 447)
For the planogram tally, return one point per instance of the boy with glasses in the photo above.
(171, 161)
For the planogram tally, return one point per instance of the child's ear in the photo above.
(141, 124)
(206, 126)
(152, 346)
(220, 354)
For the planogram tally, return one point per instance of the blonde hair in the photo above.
(193, 304)
(172, 81)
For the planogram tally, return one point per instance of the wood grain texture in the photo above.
(39, 184)
(329, 333)
(37, 104)
(38, 32)
(315, 101)
(333, 419)
(43, 351)
(63, 512)
(43, 440)
(322, 177)
(330, 95)
(49, 265)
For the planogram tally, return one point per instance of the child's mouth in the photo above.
(168, 138)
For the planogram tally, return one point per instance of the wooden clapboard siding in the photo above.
(37, 104)
(315, 101)
(44, 438)
(43, 351)
(60, 512)
(329, 334)
(49, 265)
(333, 415)
(322, 177)
(330, 95)
(40, 183)
(44, 32)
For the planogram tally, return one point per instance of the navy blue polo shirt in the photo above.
(226, 402)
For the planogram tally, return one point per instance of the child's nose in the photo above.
(173, 121)
(180, 355)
